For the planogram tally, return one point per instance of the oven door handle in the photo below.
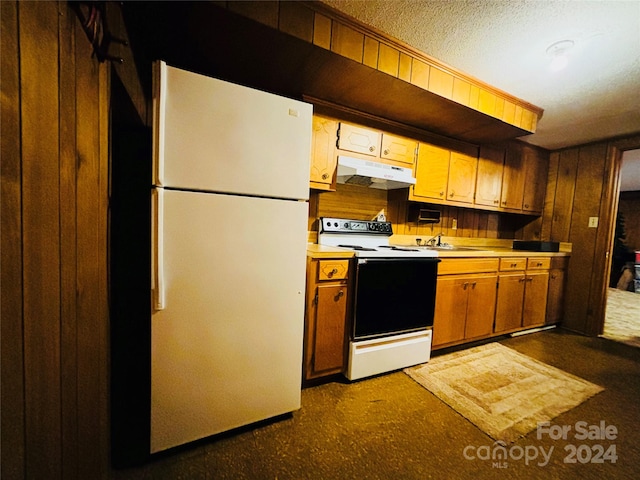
(399, 259)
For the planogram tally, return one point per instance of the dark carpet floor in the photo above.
(389, 427)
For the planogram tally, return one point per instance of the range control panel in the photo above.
(342, 225)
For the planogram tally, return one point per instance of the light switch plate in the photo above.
(593, 222)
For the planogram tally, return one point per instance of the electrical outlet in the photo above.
(593, 222)
(454, 224)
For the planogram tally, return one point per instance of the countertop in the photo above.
(473, 248)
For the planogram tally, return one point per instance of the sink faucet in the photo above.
(435, 241)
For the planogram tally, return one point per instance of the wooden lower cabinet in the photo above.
(465, 306)
(522, 294)
(555, 295)
(326, 317)
(535, 299)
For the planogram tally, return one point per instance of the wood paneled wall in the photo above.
(583, 183)
(55, 98)
(362, 203)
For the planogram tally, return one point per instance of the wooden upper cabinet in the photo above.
(432, 172)
(323, 152)
(489, 183)
(462, 177)
(536, 167)
(399, 149)
(513, 179)
(354, 138)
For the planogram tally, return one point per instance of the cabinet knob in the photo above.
(452, 194)
(441, 194)
(526, 205)
(496, 201)
(332, 272)
(340, 294)
(473, 285)
(325, 176)
(372, 148)
(504, 202)
(386, 152)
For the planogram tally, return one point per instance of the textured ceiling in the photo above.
(504, 43)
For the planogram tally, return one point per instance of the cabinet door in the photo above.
(481, 306)
(510, 301)
(450, 311)
(462, 177)
(328, 345)
(398, 148)
(358, 139)
(489, 183)
(323, 151)
(513, 179)
(432, 172)
(555, 296)
(536, 167)
(535, 299)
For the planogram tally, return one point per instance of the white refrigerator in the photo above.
(229, 229)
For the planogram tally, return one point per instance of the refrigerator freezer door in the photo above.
(217, 136)
(227, 347)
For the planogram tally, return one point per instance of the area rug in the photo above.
(622, 320)
(503, 392)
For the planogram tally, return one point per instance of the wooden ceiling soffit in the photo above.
(307, 49)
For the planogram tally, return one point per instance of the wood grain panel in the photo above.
(352, 201)
(440, 82)
(371, 48)
(41, 237)
(487, 102)
(347, 42)
(474, 96)
(322, 31)
(461, 91)
(265, 12)
(404, 70)
(297, 20)
(68, 229)
(588, 189)
(420, 74)
(11, 363)
(564, 195)
(91, 215)
(550, 195)
(389, 60)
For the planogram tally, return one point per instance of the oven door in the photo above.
(394, 296)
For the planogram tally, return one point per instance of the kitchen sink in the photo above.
(452, 248)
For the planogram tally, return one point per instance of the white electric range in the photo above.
(394, 299)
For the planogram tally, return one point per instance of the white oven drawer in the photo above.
(380, 355)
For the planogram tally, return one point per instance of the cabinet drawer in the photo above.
(540, 263)
(507, 264)
(358, 139)
(333, 269)
(467, 265)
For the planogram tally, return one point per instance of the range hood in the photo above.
(356, 171)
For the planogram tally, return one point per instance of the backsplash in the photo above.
(362, 203)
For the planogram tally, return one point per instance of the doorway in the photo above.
(622, 304)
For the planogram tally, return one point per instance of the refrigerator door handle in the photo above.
(159, 120)
(157, 253)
